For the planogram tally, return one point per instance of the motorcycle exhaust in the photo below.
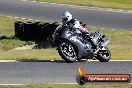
(103, 44)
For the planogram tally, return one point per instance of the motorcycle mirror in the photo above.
(98, 31)
(103, 36)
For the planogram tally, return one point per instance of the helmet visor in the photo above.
(64, 19)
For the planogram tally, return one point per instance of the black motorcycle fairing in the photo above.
(80, 44)
(83, 46)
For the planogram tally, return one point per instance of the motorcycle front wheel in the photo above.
(104, 55)
(67, 51)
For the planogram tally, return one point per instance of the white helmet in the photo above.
(66, 16)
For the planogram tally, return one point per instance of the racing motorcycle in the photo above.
(73, 45)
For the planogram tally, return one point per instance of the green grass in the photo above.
(10, 43)
(120, 44)
(115, 4)
(36, 54)
(7, 31)
(6, 26)
(72, 86)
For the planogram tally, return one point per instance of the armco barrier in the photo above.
(35, 31)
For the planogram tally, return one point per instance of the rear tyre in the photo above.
(67, 51)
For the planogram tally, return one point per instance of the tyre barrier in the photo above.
(34, 31)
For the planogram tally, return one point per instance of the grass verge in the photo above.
(115, 4)
(36, 54)
(7, 32)
(120, 45)
(72, 86)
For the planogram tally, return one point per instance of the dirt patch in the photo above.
(25, 47)
(36, 46)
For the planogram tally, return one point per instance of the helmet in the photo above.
(66, 16)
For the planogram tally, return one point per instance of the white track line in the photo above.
(87, 60)
(52, 60)
(112, 60)
(16, 17)
(64, 83)
(86, 7)
(30, 19)
(24, 0)
(48, 83)
(1, 15)
(8, 16)
(24, 18)
(91, 83)
(120, 60)
(19, 18)
(41, 2)
(33, 1)
(12, 84)
(7, 60)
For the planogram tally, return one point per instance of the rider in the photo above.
(72, 23)
(67, 20)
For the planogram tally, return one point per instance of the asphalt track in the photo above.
(28, 72)
(51, 12)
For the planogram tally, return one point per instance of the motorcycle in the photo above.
(73, 45)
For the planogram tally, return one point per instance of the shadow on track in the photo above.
(57, 61)
(52, 61)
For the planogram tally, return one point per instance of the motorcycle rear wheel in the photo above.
(67, 51)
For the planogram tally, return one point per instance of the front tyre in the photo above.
(104, 55)
(67, 51)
